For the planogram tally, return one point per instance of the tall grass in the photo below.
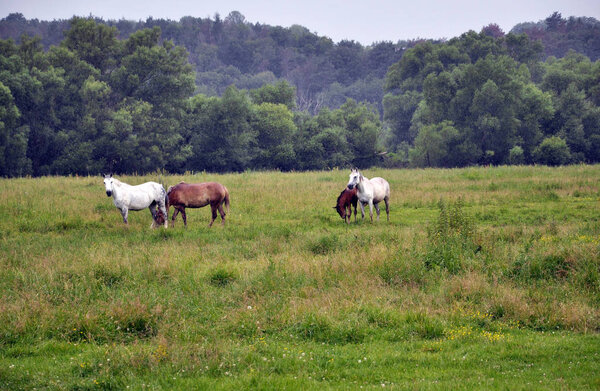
(483, 278)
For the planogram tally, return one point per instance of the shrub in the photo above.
(321, 329)
(450, 238)
(516, 155)
(553, 151)
(324, 245)
(540, 268)
(221, 277)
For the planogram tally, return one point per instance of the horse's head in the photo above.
(355, 178)
(339, 205)
(108, 184)
(341, 211)
(159, 217)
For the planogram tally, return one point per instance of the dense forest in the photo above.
(84, 96)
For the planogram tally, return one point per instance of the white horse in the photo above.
(147, 195)
(370, 191)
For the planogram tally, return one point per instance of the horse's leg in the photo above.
(222, 213)
(362, 209)
(377, 209)
(183, 216)
(348, 213)
(371, 209)
(163, 208)
(354, 212)
(124, 213)
(213, 212)
(152, 208)
(387, 208)
(175, 212)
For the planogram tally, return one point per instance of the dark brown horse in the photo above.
(196, 195)
(345, 202)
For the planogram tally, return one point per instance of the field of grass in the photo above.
(484, 278)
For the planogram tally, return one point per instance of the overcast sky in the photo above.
(365, 21)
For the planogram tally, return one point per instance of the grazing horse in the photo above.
(370, 191)
(196, 195)
(344, 204)
(147, 195)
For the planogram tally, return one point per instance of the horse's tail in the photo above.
(167, 200)
(226, 199)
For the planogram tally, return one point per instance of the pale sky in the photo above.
(365, 21)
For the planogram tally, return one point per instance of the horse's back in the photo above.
(350, 196)
(381, 189)
(196, 195)
(141, 196)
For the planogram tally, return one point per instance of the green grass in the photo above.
(484, 278)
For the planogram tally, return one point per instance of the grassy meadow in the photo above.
(484, 278)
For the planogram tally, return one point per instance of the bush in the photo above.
(221, 277)
(450, 238)
(540, 268)
(324, 245)
(553, 151)
(516, 155)
(322, 329)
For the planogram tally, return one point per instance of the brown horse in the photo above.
(345, 202)
(196, 195)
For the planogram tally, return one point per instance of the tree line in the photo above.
(231, 50)
(94, 102)
(486, 99)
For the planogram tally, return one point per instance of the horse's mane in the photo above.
(340, 196)
(171, 187)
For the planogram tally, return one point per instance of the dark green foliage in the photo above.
(108, 277)
(78, 118)
(515, 155)
(321, 329)
(527, 268)
(553, 151)
(557, 35)
(324, 245)
(496, 95)
(280, 93)
(221, 277)
(115, 96)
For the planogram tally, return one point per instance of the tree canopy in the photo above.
(128, 97)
